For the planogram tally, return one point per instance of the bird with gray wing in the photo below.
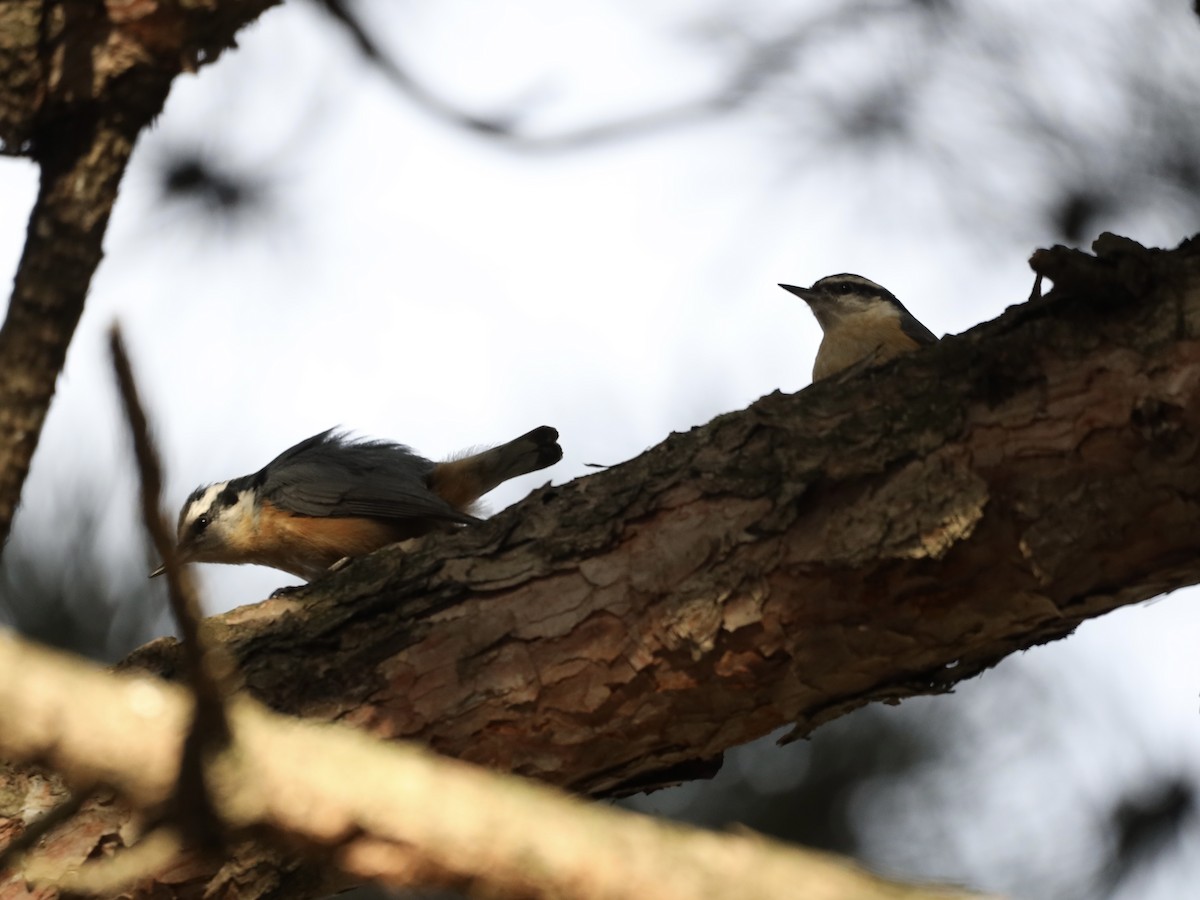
(331, 497)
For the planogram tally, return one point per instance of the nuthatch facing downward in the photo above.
(331, 497)
(861, 321)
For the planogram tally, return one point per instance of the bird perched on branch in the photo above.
(331, 497)
(862, 322)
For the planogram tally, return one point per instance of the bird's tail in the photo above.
(461, 482)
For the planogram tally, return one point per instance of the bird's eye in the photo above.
(200, 524)
(844, 287)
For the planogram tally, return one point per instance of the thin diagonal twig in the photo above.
(208, 671)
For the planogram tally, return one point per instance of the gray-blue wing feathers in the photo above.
(330, 474)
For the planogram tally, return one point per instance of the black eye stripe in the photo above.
(848, 286)
(228, 496)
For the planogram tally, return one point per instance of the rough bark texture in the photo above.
(21, 74)
(869, 538)
(79, 79)
(866, 539)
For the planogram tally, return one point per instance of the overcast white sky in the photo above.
(420, 284)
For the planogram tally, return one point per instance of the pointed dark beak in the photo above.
(181, 555)
(805, 294)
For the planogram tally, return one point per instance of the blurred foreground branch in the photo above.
(395, 814)
(207, 668)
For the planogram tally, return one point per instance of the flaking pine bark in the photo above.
(869, 538)
(860, 540)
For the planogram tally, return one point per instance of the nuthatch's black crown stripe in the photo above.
(861, 322)
(846, 284)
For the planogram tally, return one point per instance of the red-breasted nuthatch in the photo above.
(332, 497)
(861, 321)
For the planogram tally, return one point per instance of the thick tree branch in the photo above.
(865, 539)
(62, 250)
(391, 813)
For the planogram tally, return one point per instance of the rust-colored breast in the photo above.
(307, 545)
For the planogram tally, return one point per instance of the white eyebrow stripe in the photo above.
(202, 503)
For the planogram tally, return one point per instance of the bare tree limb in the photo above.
(62, 249)
(866, 539)
(393, 813)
